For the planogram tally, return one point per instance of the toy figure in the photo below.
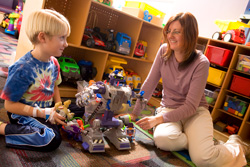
(101, 101)
(63, 109)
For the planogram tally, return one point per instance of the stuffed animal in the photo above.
(63, 109)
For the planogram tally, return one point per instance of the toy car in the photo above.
(139, 50)
(91, 39)
(136, 82)
(235, 35)
(129, 81)
(231, 31)
(122, 43)
(69, 68)
(157, 93)
(87, 70)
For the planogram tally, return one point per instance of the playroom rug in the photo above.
(8, 46)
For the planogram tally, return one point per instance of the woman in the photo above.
(183, 121)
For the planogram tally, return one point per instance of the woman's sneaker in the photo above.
(218, 142)
(237, 139)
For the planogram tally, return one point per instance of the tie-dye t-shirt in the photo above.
(31, 81)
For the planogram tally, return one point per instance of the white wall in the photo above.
(205, 11)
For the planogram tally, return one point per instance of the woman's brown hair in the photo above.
(190, 32)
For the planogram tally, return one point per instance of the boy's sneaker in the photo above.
(237, 139)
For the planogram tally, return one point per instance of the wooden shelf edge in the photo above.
(67, 91)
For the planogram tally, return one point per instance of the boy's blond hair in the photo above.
(48, 21)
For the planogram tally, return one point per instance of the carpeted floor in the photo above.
(70, 152)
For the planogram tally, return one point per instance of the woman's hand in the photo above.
(132, 116)
(150, 122)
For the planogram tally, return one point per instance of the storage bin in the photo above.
(243, 63)
(240, 85)
(138, 12)
(216, 76)
(144, 6)
(235, 106)
(219, 56)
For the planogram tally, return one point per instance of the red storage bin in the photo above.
(219, 56)
(240, 85)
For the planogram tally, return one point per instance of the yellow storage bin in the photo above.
(216, 76)
(144, 6)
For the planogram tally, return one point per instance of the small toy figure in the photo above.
(63, 109)
(130, 131)
(101, 101)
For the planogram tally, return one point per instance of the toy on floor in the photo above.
(128, 127)
(101, 101)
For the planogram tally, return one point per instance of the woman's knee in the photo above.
(171, 142)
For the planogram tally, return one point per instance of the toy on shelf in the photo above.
(133, 80)
(69, 69)
(232, 129)
(91, 38)
(231, 31)
(136, 82)
(220, 126)
(101, 101)
(158, 91)
(140, 49)
(243, 63)
(144, 11)
(211, 96)
(122, 43)
(87, 71)
(110, 40)
(235, 106)
(147, 16)
(129, 80)
(114, 63)
(106, 2)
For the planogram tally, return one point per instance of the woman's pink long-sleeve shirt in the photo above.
(183, 90)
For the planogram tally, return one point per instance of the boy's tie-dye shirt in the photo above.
(31, 81)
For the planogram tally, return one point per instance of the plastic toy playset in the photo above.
(102, 101)
(12, 22)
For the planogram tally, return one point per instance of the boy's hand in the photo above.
(55, 117)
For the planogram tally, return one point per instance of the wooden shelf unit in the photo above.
(217, 111)
(90, 13)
